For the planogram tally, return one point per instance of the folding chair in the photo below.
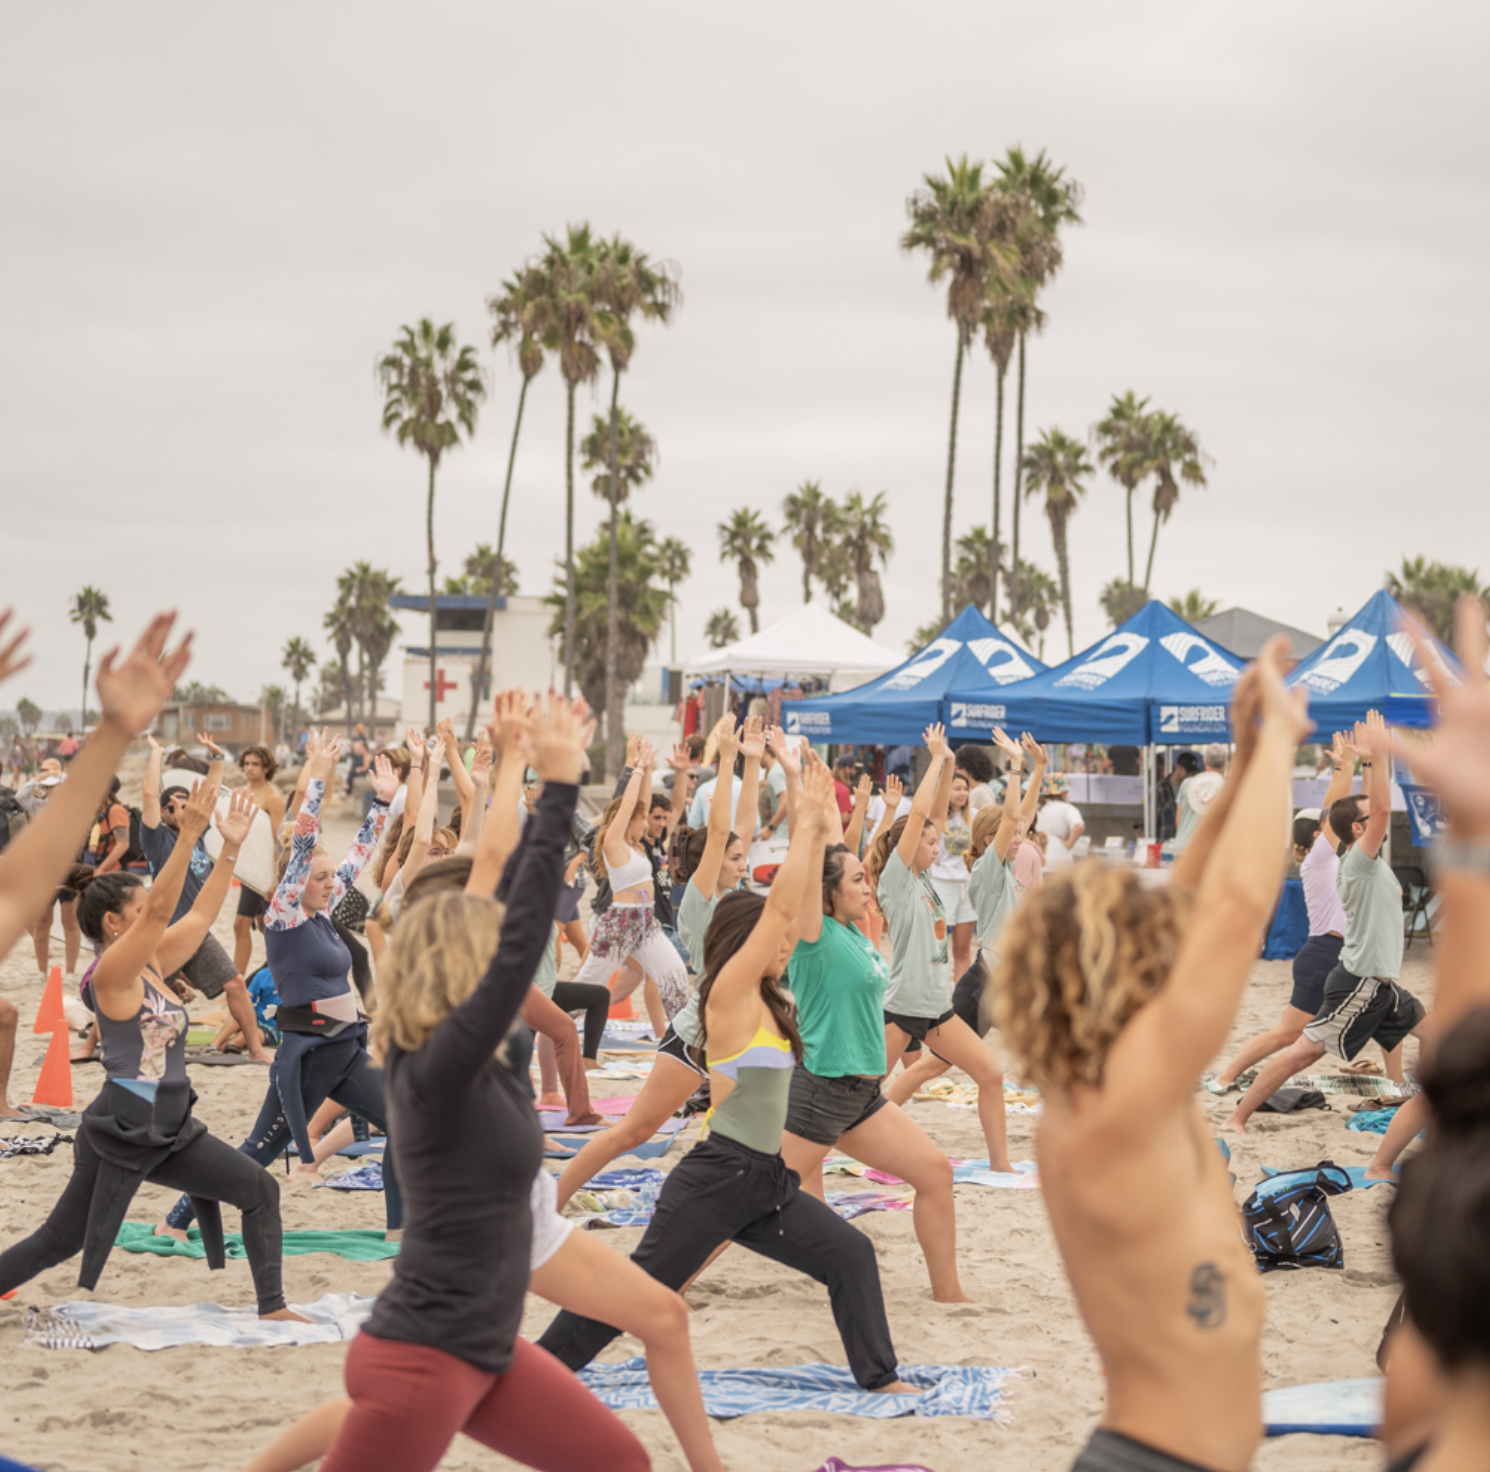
(1416, 892)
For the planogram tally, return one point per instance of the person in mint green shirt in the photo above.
(778, 822)
(714, 861)
(838, 978)
(918, 999)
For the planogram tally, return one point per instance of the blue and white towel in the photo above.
(82, 1325)
(975, 1391)
(367, 1177)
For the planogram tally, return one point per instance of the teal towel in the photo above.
(363, 1244)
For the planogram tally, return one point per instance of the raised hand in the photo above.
(1281, 708)
(212, 746)
(153, 743)
(238, 819)
(198, 811)
(728, 741)
(414, 740)
(383, 778)
(681, 759)
(817, 806)
(481, 762)
(646, 754)
(935, 737)
(561, 739)
(11, 659)
(863, 790)
(1004, 744)
(784, 749)
(445, 730)
(753, 743)
(1455, 761)
(131, 693)
(1033, 750)
(514, 724)
(633, 752)
(1246, 708)
(894, 792)
(1339, 751)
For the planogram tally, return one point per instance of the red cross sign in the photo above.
(442, 685)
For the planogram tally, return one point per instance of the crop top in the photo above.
(754, 1113)
(633, 874)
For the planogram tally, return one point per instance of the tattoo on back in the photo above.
(1207, 1305)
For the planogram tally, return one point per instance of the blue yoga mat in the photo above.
(1330, 1408)
(1357, 1174)
(573, 1144)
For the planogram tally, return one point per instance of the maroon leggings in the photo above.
(409, 1400)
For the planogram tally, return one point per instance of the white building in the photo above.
(522, 654)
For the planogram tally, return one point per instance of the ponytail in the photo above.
(98, 895)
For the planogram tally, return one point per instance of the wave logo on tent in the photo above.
(1012, 667)
(1189, 720)
(1111, 655)
(1402, 646)
(817, 724)
(971, 713)
(1212, 666)
(1344, 655)
(930, 659)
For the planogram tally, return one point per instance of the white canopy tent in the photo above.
(809, 641)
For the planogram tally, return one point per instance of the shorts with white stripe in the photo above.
(1361, 1009)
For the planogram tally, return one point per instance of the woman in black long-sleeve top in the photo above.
(440, 1353)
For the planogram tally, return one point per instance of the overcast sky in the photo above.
(216, 218)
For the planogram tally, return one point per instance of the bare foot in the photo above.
(956, 1297)
(551, 1101)
(1235, 1125)
(898, 1387)
(590, 1118)
(286, 1316)
(1002, 1167)
(593, 1063)
(6, 1112)
(305, 1172)
(1379, 1173)
(162, 1230)
(261, 1057)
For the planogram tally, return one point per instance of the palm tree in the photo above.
(866, 537)
(1193, 606)
(511, 312)
(431, 389)
(479, 572)
(1433, 589)
(923, 636)
(624, 454)
(29, 714)
(746, 540)
(340, 623)
(720, 630)
(1040, 601)
(976, 553)
(272, 698)
(1173, 450)
(810, 518)
(1048, 201)
(1056, 465)
(299, 659)
(1001, 320)
(676, 562)
(952, 221)
(627, 283)
(561, 315)
(89, 608)
(1120, 600)
(1122, 440)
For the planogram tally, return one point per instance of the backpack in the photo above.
(12, 817)
(1287, 1222)
(135, 853)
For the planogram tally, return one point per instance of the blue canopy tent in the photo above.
(896, 708)
(1370, 664)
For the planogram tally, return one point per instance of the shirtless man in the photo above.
(1139, 987)
(258, 766)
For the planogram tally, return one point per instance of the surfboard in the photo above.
(258, 859)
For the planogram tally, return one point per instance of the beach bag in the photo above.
(12, 818)
(1287, 1220)
(135, 853)
(353, 911)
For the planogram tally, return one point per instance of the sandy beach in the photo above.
(119, 1408)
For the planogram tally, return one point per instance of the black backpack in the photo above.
(1287, 1220)
(135, 853)
(12, 817)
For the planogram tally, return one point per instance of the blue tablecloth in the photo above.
(1290, 927)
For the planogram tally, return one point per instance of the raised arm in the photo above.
(753, 747)
(284, 911)
(614, 845)
(12, 659)
(706, 876)
(1009, 818)
(471, 826)
(130, 695)
(1036, 754)
(514, 724)
(1378, 785)
(931, 789)
(893, 794)
(150, 786)
(809, 925)
(942, 798)
(853, 837)
(1342, 773)
(682, 764)
(450, 745)
(384, 782)
(790, 755)
(181, 940)
(1155, 1062)
(734, 997)
(321, 756)
(424, 821)
(464, 1042)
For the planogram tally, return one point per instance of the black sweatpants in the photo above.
(722, 1191)
(594, 1001)
(207, 1167)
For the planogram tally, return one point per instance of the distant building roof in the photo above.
(1244, 632)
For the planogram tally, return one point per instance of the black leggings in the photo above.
(207, 1167)
(324, 1068)
(594, 1001)
(722, 1191)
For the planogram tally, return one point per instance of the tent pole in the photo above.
(1148, 793)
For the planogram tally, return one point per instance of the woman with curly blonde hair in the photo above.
(1112, 997)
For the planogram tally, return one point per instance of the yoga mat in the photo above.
(552, 1121)
(650, 1150)
(374, 1146)
(208, 1059)
(362, 1244)
(1330, 1408)
(950, 1390)
(1363, 1085)
(1357, 1174)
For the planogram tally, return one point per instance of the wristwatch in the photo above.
(1463, 856)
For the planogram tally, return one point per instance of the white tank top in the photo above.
(636, 871)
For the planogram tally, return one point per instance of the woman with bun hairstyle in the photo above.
(714, 861)
(140, 1127)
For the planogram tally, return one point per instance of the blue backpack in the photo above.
(1287, 1220)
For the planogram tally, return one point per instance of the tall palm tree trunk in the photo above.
(429, 534)
(809, 558)
(998, 457)
(1148, 571)
(951, 467)
(672, 657)
(297, 711)
(1063, 564)
(87, 662)
(1131, 489)
(615, 714)
(478, 688)
(569, 544)
(1018, 488)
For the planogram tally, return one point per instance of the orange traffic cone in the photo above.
(55, 1084)
(49, 1014)
(622, 1010)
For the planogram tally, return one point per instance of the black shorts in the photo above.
(1311, 969)
(824, 1109)
(251, 904)
(1361, 1009)
(210, 968)
(918, 1027)
(672, 1046)
(1110, 1451)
